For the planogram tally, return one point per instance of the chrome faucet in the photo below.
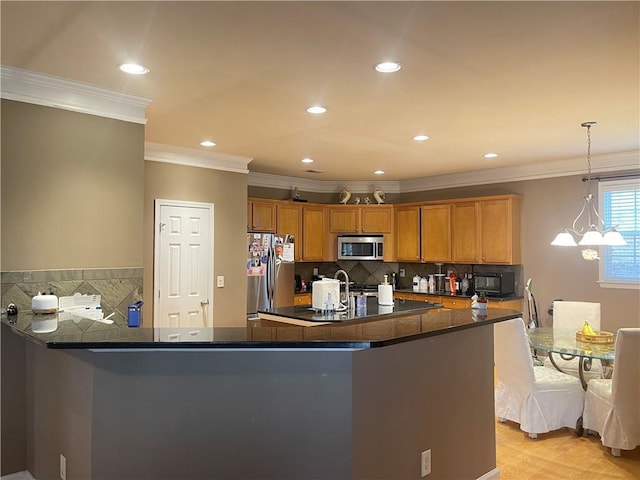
(346, 286)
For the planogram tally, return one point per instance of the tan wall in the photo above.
(228, 192)
(71, 189)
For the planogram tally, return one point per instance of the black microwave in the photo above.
(494, 284)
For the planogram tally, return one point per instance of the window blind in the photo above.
(620, 208)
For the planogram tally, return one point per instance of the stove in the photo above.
(368, 289)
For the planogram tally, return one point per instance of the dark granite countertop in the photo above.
(410, 322)
(370, 312)
(495, 298)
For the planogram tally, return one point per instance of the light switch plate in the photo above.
(220, 281)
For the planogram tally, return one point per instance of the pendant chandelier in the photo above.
(588, 226)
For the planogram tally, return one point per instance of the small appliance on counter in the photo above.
(494, 284)
(325, 294)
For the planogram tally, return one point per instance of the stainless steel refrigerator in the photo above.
(270, 271)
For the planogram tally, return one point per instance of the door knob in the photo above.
(204, 303)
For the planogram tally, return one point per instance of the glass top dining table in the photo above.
(564, 342)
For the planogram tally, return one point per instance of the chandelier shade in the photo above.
(588, 226)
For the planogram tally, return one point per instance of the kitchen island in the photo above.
(346, 400)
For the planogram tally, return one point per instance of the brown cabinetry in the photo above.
(289, 221)
(302, 299)
(313, 233)
(407, 233)
(436, 233)
(261, 216)
(361, 219)
(487, 231)
(423, 233)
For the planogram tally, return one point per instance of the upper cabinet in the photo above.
(487, 231)
(423, 233)
(361, 219)
(307, 222)
(407, 233)
(314, 233)
(261, 215)
(436, 233)
(289, 221)
(474, 230)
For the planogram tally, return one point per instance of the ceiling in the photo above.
(514, 78)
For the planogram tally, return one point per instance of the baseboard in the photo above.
(18, 476)
(491, 475)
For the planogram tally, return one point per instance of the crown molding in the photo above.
(268, 180)
(156, 152)
(575, 166)
(49, 91)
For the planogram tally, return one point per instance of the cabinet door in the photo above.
(407, 234)
(436, 233)
(497, 231)
(302, 299)
(344, 220)
(289, 221)
(464, 232)
(313, 234)
(376, 219)
(262, 216)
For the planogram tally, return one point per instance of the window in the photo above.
(620, 208)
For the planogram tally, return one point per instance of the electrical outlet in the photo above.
(220, 281)
(425, 463)
(402, 272)
(63, 467)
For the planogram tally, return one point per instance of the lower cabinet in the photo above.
(302, 299)
(450, 301)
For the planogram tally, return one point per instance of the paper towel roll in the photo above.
(385, 294)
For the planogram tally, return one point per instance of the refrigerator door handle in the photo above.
(271, 277)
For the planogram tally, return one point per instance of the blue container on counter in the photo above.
(134, 314)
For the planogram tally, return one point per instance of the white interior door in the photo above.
(183, 274)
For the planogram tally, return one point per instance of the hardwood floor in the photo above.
(560, 455)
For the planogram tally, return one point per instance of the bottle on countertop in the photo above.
(416, 283)
(452, 283)
(465, 284)
(432, 284)
(424, 285)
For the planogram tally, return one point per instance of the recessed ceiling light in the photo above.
(134, 69)
(421, 138)
(379, 172)
(316, 109)
(208, 143)
(388, 67)
(490, 155)
(307, 160)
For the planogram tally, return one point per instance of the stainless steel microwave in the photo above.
(360, 247)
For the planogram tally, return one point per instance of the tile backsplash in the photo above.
(372, 272)
(118, 287)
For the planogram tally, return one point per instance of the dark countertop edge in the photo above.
(266, 345)
(419, 307)
(513, 296)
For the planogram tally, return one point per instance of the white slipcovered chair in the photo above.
(538, 398)
(572, 315)
(612, 406)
